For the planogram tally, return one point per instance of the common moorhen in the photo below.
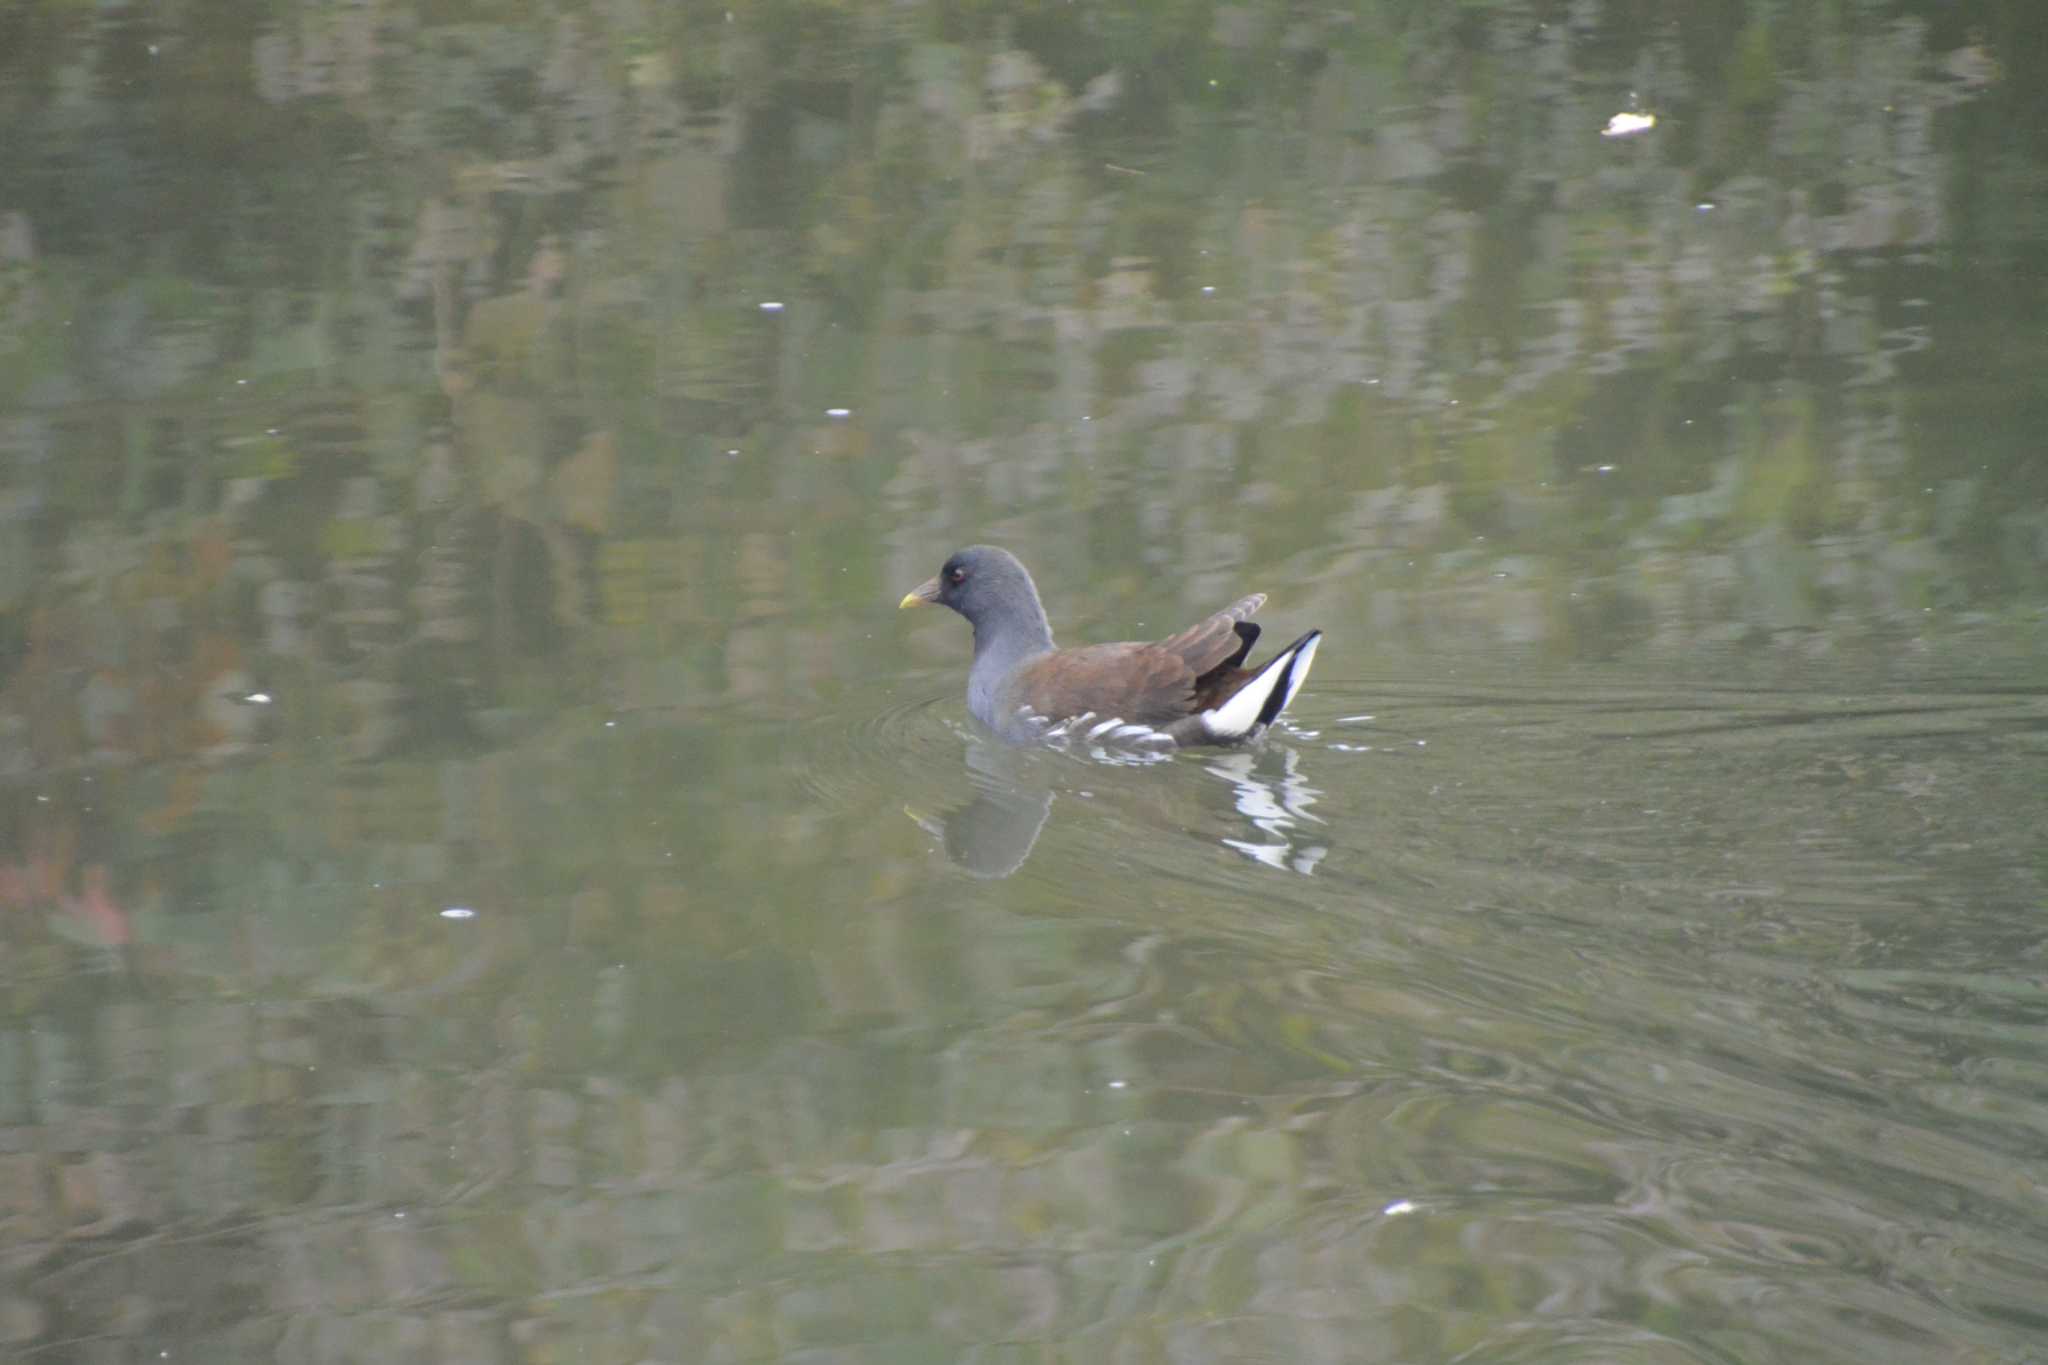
(1184, 690)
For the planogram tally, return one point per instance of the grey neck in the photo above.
(1000, 647)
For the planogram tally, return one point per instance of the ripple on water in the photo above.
(1433, 1145)
(1578, 1340)
(842, 758)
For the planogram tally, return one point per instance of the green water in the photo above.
(487, 873)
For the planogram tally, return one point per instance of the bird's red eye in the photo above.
(956, 576)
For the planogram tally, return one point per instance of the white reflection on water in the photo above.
(1276, 806)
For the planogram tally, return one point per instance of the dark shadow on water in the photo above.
(992, 834)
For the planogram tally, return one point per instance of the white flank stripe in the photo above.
(1303, 662)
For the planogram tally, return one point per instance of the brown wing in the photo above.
(1220, 641)
(1152, 683)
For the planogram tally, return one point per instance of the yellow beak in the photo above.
(923, 595)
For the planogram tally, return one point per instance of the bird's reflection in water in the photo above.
(993, 834)
(1276, 801)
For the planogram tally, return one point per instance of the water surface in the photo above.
(487, 874)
